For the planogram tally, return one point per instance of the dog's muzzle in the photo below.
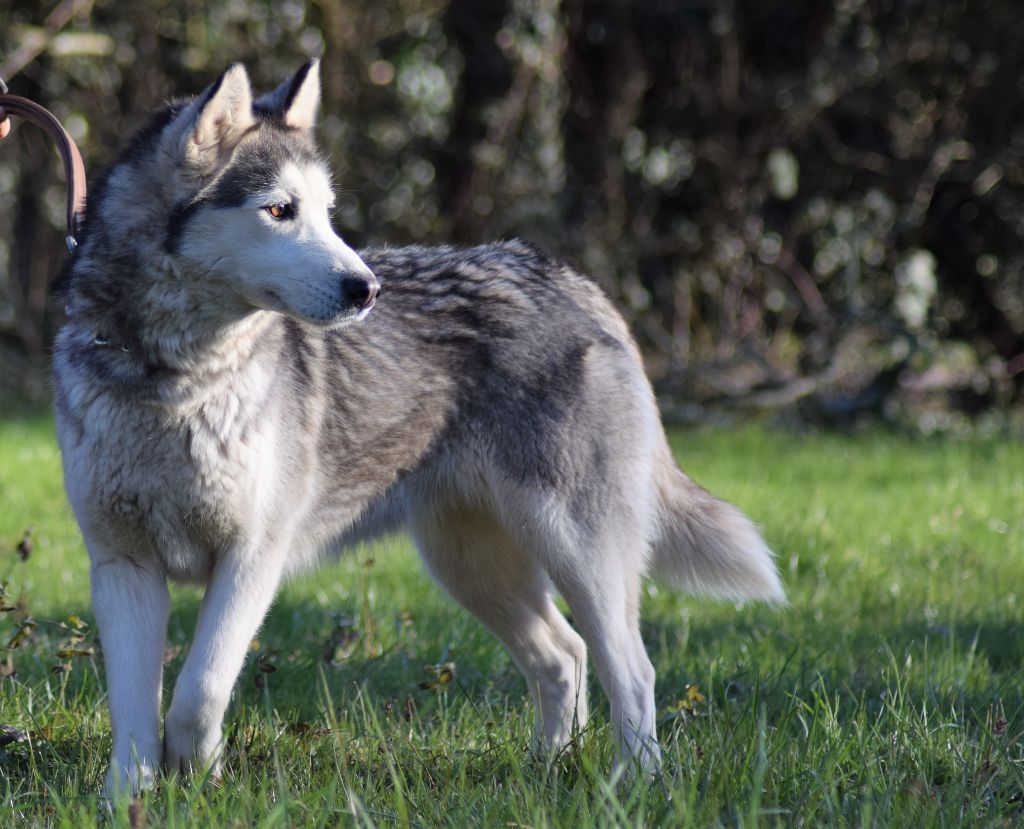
(360, 292)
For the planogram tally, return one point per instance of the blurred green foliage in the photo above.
(810, 206)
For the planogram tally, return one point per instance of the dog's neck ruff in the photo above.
(148, 373)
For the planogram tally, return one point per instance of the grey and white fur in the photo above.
(230, 410)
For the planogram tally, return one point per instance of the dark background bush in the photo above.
(812, 207)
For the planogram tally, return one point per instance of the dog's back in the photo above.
(522, 372)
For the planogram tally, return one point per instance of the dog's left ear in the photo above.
(297, 100)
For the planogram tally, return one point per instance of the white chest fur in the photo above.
(179, 483)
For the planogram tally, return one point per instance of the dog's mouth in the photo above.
(270, 300)
(364, 312)
(350, 316)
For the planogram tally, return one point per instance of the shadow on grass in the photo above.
(306, 654)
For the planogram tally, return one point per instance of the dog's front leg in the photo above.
(237, 597)
(131, 603)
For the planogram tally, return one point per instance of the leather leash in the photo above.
(74, 169)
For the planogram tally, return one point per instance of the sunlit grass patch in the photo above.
(888, 691)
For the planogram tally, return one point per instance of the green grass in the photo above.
(889, 692)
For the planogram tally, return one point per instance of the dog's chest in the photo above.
(179, 486)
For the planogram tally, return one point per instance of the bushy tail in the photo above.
(705, 545)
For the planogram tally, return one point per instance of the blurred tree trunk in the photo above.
(473, 26)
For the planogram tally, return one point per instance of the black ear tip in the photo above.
(236, 69)
(277, 104)
(309, 66)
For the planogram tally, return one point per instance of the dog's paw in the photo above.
(191, 764)
(191, 749)
(129, 779)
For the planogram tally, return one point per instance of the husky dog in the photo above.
(229, 410)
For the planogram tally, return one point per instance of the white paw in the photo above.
(191, 747)
(129, 779)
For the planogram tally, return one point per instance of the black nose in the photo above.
(360, 291)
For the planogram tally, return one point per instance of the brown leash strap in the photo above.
(74, 169)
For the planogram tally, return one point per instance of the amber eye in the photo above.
(280, 210)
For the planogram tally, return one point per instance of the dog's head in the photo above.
(252, 200)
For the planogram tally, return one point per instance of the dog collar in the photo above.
(104, 342)
(98, 338)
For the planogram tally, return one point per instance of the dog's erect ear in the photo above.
(297, 100)
(212, 125)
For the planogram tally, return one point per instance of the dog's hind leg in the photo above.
(593, 545)
(605, 605)
(131, 604)
(490, 574)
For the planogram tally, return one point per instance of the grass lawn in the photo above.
(889, 692)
